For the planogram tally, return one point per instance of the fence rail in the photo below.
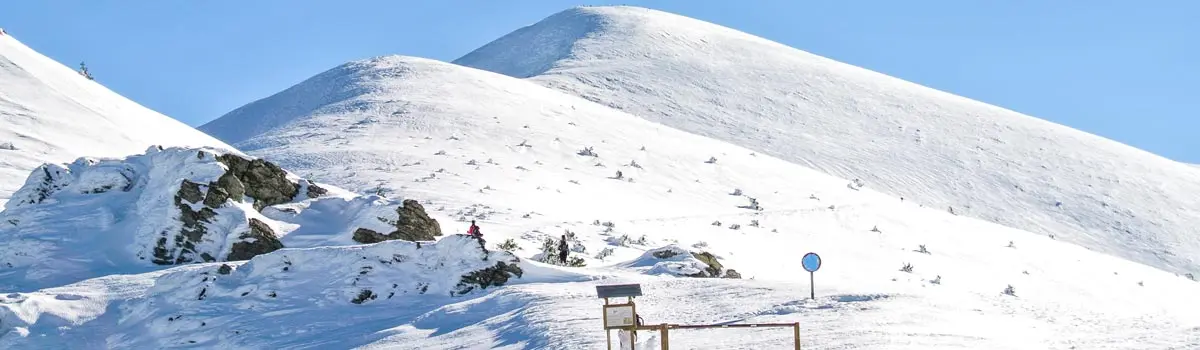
(664, 330)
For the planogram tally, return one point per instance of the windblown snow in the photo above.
(686, 187)
(930, 147)
(97, 217)
(51, 114)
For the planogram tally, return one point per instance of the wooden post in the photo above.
(664, 342)
(796, 329)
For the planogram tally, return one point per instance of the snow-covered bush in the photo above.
(588, 152)
(711, 160)
(509, 245)
(8, 146)
(921, 249)
(1010, 291)
(907, 267)
(604, 253)
(736, 192)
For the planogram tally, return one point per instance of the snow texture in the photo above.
(98, 216)
(506, 152)
(51, 114)
(900, 138)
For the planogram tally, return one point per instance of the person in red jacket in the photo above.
(473, 231)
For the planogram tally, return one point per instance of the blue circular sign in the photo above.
(811, 262)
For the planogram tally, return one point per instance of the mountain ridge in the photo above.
(911, 141)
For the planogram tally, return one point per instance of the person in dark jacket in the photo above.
(563, 249)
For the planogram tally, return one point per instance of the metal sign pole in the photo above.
(812, 287)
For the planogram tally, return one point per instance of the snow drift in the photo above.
(51, 114)
(223, 304)
(174, 206)
(927, 146)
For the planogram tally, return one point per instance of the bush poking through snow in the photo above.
(753, 223)
(735, 227)
(736, 192)
(509, 245)
(700, 245)
(907, 268)
(921, 249)
(937, 280)
(717, 223)
(876, 229)
(1011, 245)
(587, 152)
(604, 253)
(1010, 291)
(711, 160)
(8, 146)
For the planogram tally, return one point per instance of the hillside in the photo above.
(51, 114)
(925, 146)
(511, 155)
(103, 216)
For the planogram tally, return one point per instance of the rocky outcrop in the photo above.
(258, 179)
(412, 224)
(494, 276)
(259, 240)
(263, 182)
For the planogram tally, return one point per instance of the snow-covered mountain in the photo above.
(50, 113)
(531, 164)
(927, 146)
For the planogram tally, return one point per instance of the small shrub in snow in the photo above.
(1140, 284)
(716, 223)
(440, 153)
(604, 253)
(875, 229)
(363, 296)
(711, 160)
(490, 161)
(736, 192)
(1190, 276)
(508, 245)
(588, 152)
(753, 223)
(8, 146)
(1011, 245)
(907, 267)
(700, 245)
(937, 280)
(524, 143)
(735, 227)
(575, 261)
(643, 148)
(921, 249)
(1010, 291)
(471, 162)
(574, 181)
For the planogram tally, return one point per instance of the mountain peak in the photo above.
(928, 146)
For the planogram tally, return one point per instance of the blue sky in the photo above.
(1126, 70)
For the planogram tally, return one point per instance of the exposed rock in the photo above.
(731, 273)
(225, 269)
(494, 276)
(363, 296)
(259, 240)
(263, 181)
(665, 254)
(192, 231)
(315, 191)
(413, 225)
(714, 266)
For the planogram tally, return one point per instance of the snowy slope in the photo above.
(931, 147)
(97, 217)
(49, 113)
(481, 146)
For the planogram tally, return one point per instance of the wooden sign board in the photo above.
(619, 316)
